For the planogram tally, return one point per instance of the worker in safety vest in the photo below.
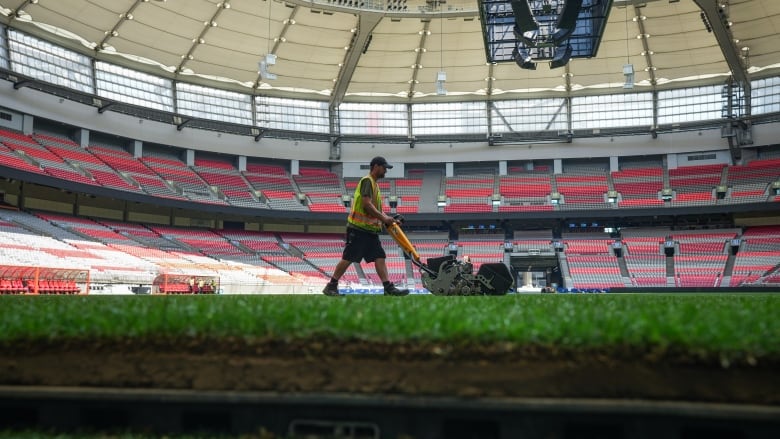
(364, 224)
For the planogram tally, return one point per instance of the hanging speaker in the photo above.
(524, 18)
(567, 21)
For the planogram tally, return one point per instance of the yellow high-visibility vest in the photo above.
(358, 217)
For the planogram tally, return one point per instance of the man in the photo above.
(364, 223)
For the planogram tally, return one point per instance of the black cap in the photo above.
(381, 162)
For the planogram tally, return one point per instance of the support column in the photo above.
(614, 164)
(137, 149)
(27, 124)
(671, 161)
(82, 137)
(20, 201)
(241, 163)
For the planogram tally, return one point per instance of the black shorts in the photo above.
(362, 245)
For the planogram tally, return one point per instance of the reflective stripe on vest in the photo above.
(358, 217)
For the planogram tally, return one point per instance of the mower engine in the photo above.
(446, 276)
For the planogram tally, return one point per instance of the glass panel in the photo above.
(292, 114)
(133, 87)
(214, 104)
(449, 118)
(373, 119)
(39, 59)
(612, 111)
(529, 115)
(690, 104)
(765, 97)
(3, 49)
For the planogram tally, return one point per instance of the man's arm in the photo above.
(368, 206)
(367, 198)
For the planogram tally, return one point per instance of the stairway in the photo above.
(429, 192)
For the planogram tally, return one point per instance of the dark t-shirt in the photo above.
(366, 188)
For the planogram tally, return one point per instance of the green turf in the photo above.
(712, 323)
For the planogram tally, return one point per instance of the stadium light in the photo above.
(628, 73)
(267, 61)
(441, 78)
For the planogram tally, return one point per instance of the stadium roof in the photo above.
(391, 50)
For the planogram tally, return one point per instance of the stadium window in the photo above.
(292, 114)
(42, 60)
(529, 115)
(689, 104)
(612, 111)
(449, 118)
(3, 51)
(214, 104)
(765, 96)
(373, 119)
(133, 87)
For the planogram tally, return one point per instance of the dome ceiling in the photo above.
(391, 50)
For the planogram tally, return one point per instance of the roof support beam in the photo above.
(16, 12)
(417, 60)
(200, 38)
(645, 46)
(367, 22)
(727, 45)
(127, 15)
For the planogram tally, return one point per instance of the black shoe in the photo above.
(392, 290)
(331, 289)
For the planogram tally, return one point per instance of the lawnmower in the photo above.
(448, 276)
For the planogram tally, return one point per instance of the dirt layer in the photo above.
(364, 367)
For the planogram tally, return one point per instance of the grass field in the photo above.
(654, 346)
(734, 325)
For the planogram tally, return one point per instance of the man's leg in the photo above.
(332, 287)
(381, 271)
(341, 268)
